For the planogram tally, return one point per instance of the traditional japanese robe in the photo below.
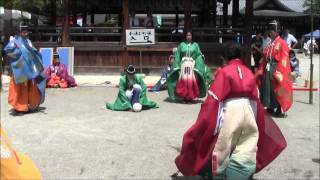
(275, 76)
(162, 83)
(15, 165)
(233, 81)
(58, 75)
(122, 103)
(27, 84)
(187, 78)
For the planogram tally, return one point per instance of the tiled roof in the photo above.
(294, 5)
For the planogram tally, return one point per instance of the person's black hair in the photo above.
(292, 52)
(188, 31)
(231, 50)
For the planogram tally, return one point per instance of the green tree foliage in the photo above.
(316, 6)
(35, 6)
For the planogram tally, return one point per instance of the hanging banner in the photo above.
(66, 56)
(140, 36)
(47, 56)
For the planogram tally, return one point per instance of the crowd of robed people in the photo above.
(229, 135)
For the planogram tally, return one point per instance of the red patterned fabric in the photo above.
(56, 81)
(187, 87)
(233, 80)
(282, 80)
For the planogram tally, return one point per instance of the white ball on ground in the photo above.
(137, 107)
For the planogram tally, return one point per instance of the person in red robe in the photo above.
(233, 135)
(274, 75)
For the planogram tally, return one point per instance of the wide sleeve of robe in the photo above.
(146, 104)
(121, 103)
(200, 139)
(15, 165)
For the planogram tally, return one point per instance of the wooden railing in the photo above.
(207, 34)
(114, 34)
(53, 34)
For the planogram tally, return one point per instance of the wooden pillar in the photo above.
(203, 13)
(177, 19)
(92, 17)
(9, 28)
(225, 14)
(187, 15)
(125, 19)
(248, 31)
(125, 25)
(74, 13)
(65, 31)
(214, 13)
(235, 12)
(84, 14)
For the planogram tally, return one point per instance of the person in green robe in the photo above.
(189, 77)
(207, 74)
(132, 93)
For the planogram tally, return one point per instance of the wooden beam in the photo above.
(248, 31)
(235, 12)
(187, 15)
(65, 31)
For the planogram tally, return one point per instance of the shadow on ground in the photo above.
(169, 100)
(13, 112)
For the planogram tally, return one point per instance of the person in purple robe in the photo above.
(57, 75)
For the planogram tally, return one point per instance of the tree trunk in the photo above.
(84, 14)
(65, 32)
(177, 19)
(74, 13)
(248, 31)
(125, 19)
(53, 12)
(125, 25)
(214, 13)
(187, 15)
(235, 12)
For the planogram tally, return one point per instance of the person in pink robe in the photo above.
(57, 75)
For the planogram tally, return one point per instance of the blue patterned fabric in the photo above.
(162, 83)
(26, 63)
